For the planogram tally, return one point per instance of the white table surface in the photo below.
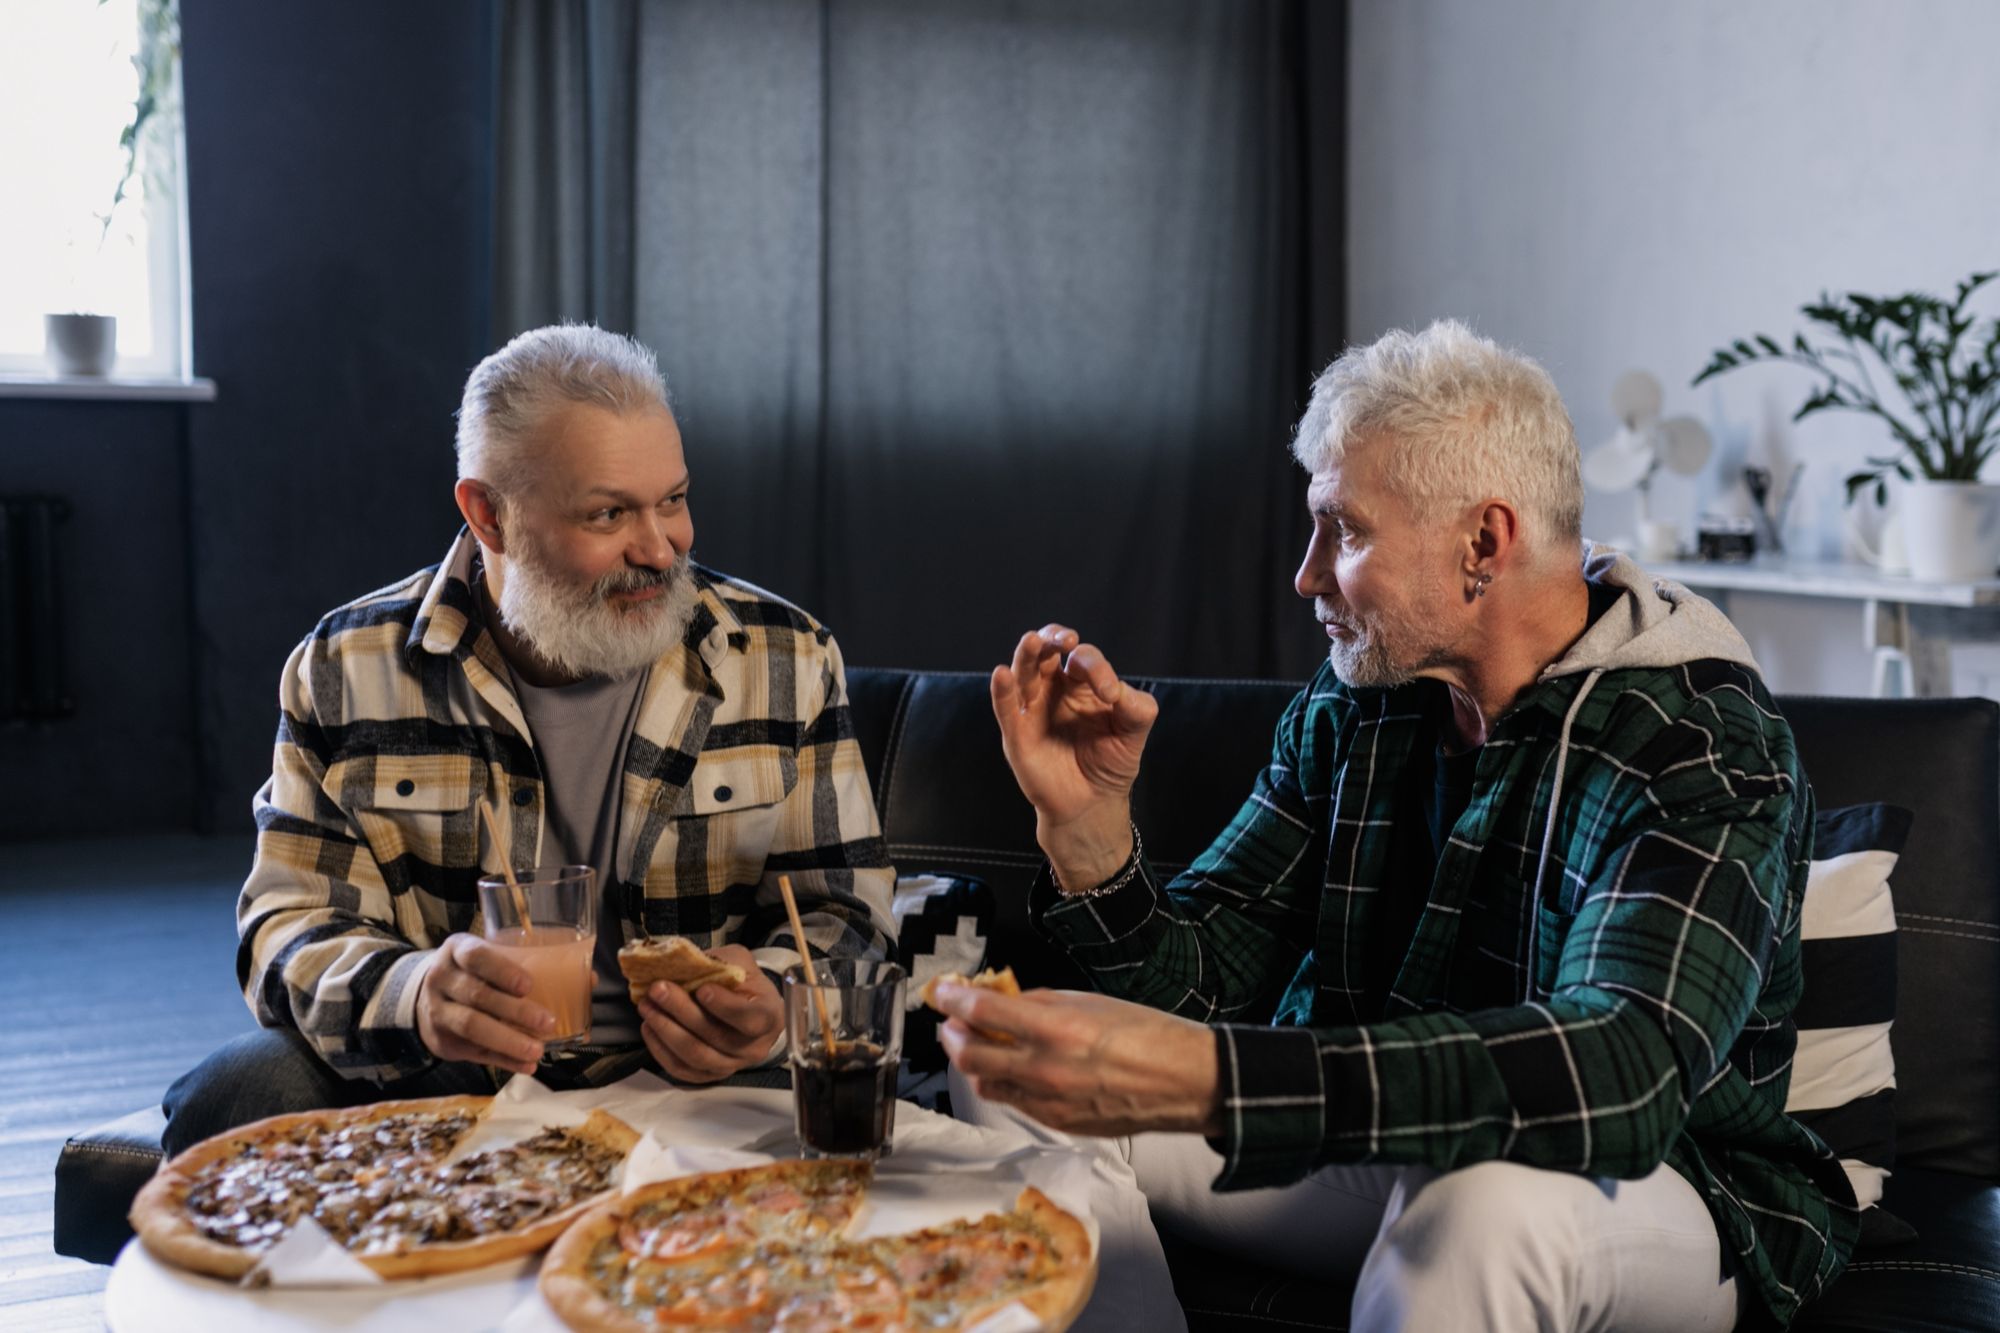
(940, 1169)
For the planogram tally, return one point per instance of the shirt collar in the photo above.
(448, 621)
(715, 627)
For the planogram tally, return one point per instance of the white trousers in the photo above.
(1494, 1246)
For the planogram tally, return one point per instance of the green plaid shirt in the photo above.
(1637, 1010)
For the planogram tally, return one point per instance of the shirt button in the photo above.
(723, 793)
(405, 787)
(524, 796)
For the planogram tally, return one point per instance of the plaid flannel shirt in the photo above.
(397, 716)
(1638, 1011)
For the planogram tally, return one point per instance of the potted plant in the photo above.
(1945, 412)
(82, 342)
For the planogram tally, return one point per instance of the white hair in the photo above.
(1463, 419)
(512, 392)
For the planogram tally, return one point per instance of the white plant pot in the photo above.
(81, 344)
(1951, 530)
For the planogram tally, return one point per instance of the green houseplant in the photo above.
(1943, 410)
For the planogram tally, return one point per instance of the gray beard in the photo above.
(1370, 660)
(1365, 663)
(578, 630)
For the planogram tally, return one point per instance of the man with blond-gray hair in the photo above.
(1485, 996)
(569, 666)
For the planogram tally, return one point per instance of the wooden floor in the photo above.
(119, 974)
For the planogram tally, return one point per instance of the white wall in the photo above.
(1607, 185)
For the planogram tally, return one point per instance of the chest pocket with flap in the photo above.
(403, 802)
(415, 782)
(724, 829)
(725, 786)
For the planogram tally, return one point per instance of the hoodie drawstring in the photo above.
(1549, 837)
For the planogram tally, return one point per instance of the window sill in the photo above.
(134, 388)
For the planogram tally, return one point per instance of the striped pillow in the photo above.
(942, 925)
(1843, 1077)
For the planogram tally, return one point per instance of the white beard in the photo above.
(579, 630)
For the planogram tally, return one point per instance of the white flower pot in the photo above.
(1952, 530)
(81, 344)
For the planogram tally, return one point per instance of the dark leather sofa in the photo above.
(949, 805)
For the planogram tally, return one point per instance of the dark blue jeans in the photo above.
(273, 1071)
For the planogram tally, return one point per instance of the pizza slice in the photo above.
(1001, 983)
(956, 1276)
(701, 1249)
(378, 1180)
(674, 958)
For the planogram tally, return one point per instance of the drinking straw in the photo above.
(507, 869)
(805, 955)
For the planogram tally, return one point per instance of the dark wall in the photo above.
(339, 159)
(339, 166)
(125, 759)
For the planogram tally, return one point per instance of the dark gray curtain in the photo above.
(567, 92)
(982, 314)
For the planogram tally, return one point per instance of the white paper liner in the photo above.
(306, 1256)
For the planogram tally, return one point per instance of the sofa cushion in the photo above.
(97, 1177)
(1844, 1077)
(949, 804)
(1941, 758)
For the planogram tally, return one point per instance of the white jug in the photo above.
(1889, 552)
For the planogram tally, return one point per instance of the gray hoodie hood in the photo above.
(1656, 623)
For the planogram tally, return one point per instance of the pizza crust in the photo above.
(159, 1214)
(1060, 1299)
(674, 958)
(566, 1285)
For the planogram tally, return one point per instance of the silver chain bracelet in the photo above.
(1112, 885)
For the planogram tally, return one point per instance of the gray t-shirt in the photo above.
(581, 732)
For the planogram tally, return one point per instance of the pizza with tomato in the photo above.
(769, 1247)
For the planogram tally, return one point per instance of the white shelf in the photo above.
(108, 388)
(1825, 578)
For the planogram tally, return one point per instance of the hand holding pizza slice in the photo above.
(720, 1014)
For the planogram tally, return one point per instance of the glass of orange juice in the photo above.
(553, 945)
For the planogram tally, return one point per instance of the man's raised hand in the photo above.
(1073, 733)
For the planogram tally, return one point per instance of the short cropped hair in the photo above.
(1464, 419)
(511, 392)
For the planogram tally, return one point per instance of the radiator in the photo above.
(32, 681)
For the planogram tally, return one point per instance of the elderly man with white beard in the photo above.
(619, 706)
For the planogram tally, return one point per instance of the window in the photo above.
(73, 75)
